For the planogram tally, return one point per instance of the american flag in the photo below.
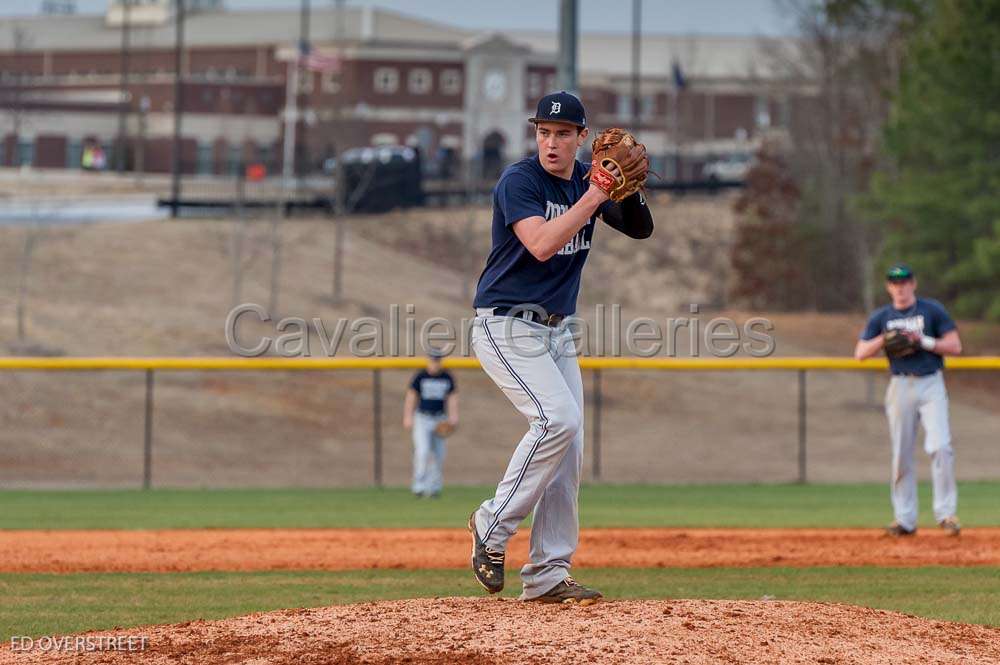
(318, 62)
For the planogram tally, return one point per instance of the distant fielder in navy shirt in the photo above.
(544, 220)
(430, 399)
(916, 395)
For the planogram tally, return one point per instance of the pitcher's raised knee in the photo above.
(564, 421)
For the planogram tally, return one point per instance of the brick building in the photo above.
(400, 80)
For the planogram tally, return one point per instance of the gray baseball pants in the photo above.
(428, 453)
(910, 401)
(536, 368)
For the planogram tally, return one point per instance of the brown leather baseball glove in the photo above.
(619, 148)
(898, 345)
(444, 428)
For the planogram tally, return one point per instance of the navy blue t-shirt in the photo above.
(433, 390)
(925, 317)
(512, 275)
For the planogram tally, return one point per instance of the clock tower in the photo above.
(495, 116)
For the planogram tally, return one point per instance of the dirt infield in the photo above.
(480, 631)
(411, 549)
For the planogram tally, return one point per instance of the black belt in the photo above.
(915, 374)
(551, 320)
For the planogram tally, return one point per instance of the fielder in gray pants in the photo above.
(544, 220)
(915, 333)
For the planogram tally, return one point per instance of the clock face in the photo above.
(495, 85)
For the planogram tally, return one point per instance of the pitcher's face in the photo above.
(557, 145)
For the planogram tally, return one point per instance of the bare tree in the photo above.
(838, 75)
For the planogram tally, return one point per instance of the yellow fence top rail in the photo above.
(297, 364)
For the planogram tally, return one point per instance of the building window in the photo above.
(386, 80)
(234, 159)
(762, 112)
(420, 81)
(550, 82)
(451, 81)
(204, 158)
(74, 154)
(534, 85)
(623, 107)
(330, 82)
(25, 152)
(648, 106)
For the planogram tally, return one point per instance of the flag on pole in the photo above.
(318, 62)
(679, 81)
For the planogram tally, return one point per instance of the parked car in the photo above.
(733, 168)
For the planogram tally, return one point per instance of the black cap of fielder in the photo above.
(560, 107)
(899, 273)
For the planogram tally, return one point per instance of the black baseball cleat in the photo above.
(569, 592)
(896, 529)
(487, 563)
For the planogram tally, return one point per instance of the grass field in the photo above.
(104, 600)
(37, 604)
(862, 505)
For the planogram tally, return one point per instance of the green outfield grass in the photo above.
(46, 604)
(862, 505)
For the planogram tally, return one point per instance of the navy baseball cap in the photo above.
(560, 107)
(899, 273)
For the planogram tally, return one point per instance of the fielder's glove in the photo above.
(898, 344)
(619, 148)
(444, 428)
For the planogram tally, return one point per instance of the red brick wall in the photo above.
(358, 84)
(546, 77)
(243, 60)
(733, 112)
(22, 63)
(9, 149)
(159, 153)
(50, 151)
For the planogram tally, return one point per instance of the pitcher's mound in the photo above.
(483, 630)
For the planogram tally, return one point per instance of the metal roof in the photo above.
(601, 54)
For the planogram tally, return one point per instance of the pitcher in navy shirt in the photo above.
(430, 399)
(544, 222)
(916, 395)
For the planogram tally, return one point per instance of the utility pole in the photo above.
(123, 97)
(304, 50)
(566, 67)
(636, 36)
(175, 189)
(340, 173)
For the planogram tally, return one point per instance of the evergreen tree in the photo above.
(940, 200)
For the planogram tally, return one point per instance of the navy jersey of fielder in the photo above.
(512, 275)
(433, 390)
(925, 317)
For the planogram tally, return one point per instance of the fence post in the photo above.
(377, 425)
(147, 440)
(802, 426)
(596, 425)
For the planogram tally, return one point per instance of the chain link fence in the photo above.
(274, 428)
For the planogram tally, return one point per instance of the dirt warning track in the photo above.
(412, 549)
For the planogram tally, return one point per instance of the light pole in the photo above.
(124, 99)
